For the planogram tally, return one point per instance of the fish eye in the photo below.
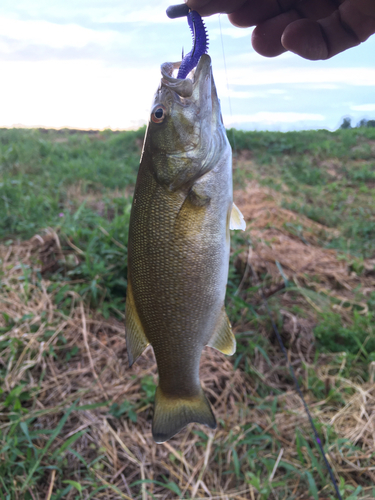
(158, 114)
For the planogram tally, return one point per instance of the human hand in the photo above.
(313, 29)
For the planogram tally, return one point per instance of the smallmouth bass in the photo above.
(178, 250)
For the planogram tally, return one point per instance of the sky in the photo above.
(95, 64)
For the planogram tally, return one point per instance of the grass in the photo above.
(39, 170)
(75, 421)
(329, 175)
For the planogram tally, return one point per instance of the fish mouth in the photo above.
(199, 86)
(194, 111)
(185, 87)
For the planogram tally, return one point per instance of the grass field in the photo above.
(75, 421)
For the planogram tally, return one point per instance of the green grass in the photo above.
(29, 455)
(329, 177)
(80, 185)
(338, 144)
(37, 168)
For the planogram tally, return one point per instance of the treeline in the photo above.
(347, 123)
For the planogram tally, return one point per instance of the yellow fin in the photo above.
(172, 414)
(136, 340)
(223, 339)
(237, 220)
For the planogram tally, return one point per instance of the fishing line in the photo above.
(275, 329)
(226, 77)
(194, 39)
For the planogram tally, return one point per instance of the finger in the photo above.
(316, 9)
(266, 37)
(255, 12)
(209, 7)
(367, 7)
(359, 17)
(345, 28)
(306, 39)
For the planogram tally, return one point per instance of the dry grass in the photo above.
(79, 193)
(201, 467)
(261, 207)
(278, 248)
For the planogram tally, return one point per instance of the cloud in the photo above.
(54, 35)
(246, 94)
(100, 11)
(363, 107)
(296, 75)
(140, 13)
(276, 91)
(96, 64)
(231, 32)
(242, 59)
(152, 15)
(319, 86)
(272, 118)
(81, 94)
(238, 94)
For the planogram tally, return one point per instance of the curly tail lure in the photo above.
(200, 44)
(200, 37)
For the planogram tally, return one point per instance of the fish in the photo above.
(179, 243)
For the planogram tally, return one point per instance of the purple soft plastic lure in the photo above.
(200, 44)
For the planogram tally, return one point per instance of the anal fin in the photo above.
(136, 340)
(237, 220)
(223, 339)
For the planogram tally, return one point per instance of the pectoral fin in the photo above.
(223, 339)
(198, 197)
(237, 220)
(136, 340)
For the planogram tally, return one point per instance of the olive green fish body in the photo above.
(179, 248)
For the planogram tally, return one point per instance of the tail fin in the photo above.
(173, 414)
